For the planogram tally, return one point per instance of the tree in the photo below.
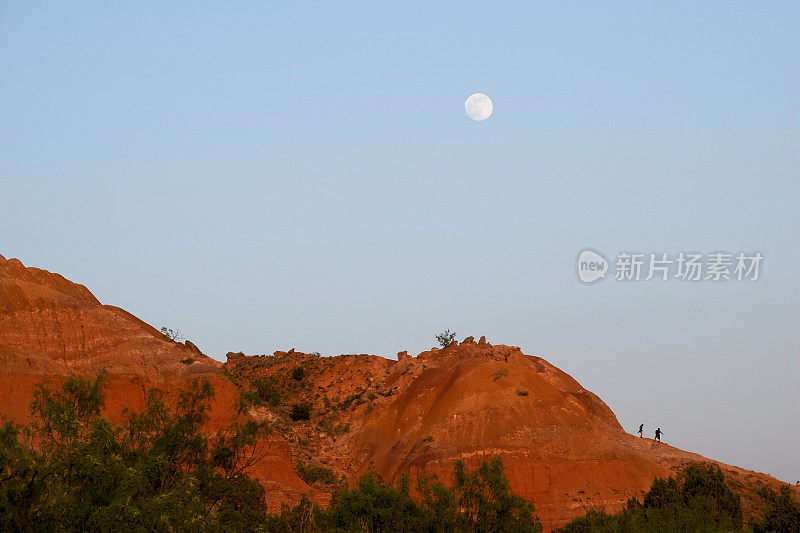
(478, 501)
(486, 502)
(172, 335)
(446, 338)
(158, 471)
(21, 480)
(781, 512)
(708, 482)
(373, 505)
(699, 499)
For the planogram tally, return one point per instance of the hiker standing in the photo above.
(658, 434)
(641, 429)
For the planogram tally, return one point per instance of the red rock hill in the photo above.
(51, 328)
(561, 445)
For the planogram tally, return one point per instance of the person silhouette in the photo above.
(641, 429)
(658, 434)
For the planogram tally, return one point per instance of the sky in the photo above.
(271, 175)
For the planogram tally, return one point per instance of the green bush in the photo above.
(478, 500)
(300, 411)
(157, 472)
(500, 373)
(312, 474)
(350, 399)
(699, 499)
(266, 391)
(373, 505)
(298, 373)
(781, 512)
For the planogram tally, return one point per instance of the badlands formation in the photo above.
(562, 447)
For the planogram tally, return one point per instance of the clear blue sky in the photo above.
(263, 177)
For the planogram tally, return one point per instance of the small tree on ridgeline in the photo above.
(173, 335)
(446, 338)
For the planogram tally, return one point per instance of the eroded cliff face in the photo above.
(51, 328)
(562, 447)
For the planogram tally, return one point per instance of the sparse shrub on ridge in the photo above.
(446, 338)
(263, 391)
(173, 335)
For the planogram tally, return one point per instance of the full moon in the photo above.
(478, 107)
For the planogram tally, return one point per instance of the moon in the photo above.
(478, 107)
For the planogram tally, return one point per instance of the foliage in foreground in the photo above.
(73, 470)
(156, 472)
(477, 501)
(781, 512)
(699, 499)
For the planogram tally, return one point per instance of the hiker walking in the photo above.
(641, 429)
(658, 434)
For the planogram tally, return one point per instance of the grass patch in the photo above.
(499, 374)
